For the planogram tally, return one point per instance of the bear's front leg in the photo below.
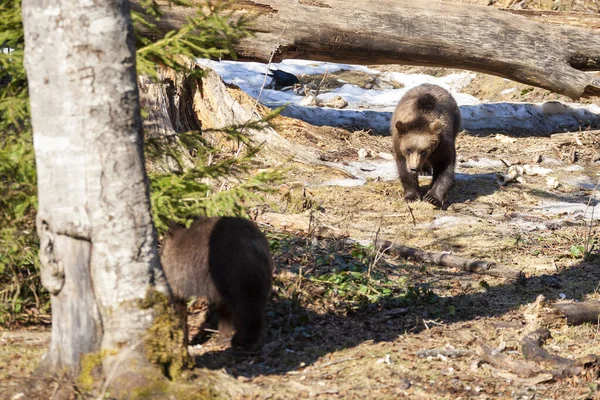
(442, 182)
(410, 182)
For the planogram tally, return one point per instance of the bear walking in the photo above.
(424, 128)
(227, 261)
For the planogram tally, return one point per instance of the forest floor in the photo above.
(350, 321)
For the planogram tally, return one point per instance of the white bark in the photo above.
(98, 242)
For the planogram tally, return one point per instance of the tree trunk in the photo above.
(472, 37)
(98, 243)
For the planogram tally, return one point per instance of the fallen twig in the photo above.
(302, 223)
(451, 260)
(445, 352)
(523, 369)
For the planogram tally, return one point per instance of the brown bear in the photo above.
(227, 261)
(424, 128)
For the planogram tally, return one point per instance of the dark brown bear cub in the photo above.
(227, 261)
(424, 128)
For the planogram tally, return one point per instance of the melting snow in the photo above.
(372, 109)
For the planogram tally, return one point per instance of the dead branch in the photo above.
(524, 369)
(543, 314)
(579, 313)
(531, 347)
(452, 261)
(302, 223)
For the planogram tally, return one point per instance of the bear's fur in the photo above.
(424, 128)
(227, 261)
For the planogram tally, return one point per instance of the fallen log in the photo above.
(557, 315)
(534, 354)
(471, 37)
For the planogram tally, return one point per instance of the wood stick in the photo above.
(524, 369)
(451, 260)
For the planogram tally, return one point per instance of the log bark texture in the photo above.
(556, 315)
(472, 37)
(98, 243)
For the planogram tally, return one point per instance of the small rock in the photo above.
(552, 182)
(362, 153)
(337, 102)
(404, 384)
(386, 156)
(385, 360)
(505, 139)
(549, 160)
(312, 101)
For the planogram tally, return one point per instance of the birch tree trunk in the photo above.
(98, 243)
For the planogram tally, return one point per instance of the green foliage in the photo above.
(199, 189)
(215, 185)
(350, 277)
(207, 34)
(21, 294)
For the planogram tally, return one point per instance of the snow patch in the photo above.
(372, 109)
(580, 210)
(448, 221)
(482, 163)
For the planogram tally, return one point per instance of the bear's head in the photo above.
(417, 143)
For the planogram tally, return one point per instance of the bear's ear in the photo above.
(173, 229)
(435, 127)
(401, 127)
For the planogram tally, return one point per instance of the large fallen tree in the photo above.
(472, 37)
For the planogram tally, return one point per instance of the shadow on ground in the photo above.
(313, 313)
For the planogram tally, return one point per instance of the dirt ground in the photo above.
(349, 322)
(326, 340)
